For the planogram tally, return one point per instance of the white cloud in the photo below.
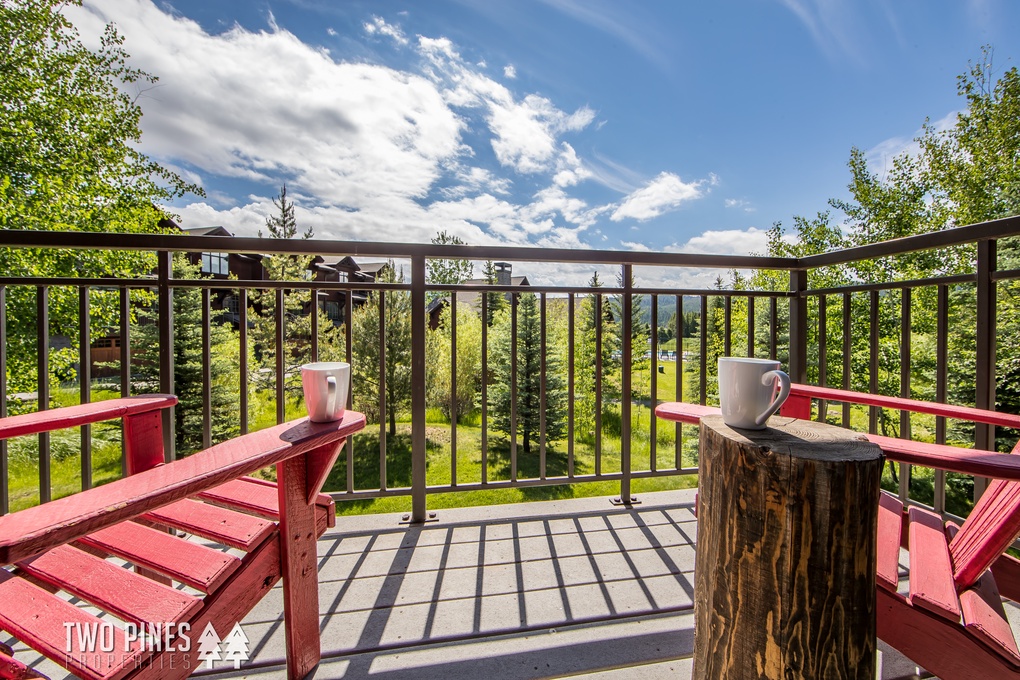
(832, 25)
(739, 204)
(725, 242)
(378, 26)
(369, 152)
(881, 156)
(663, 194)
(509, 71)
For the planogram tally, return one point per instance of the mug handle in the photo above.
(331, 399)
(784, 392)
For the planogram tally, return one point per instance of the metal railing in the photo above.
(776, 323)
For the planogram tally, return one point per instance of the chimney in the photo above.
(502, 273)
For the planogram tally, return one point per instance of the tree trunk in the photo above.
(785, 561)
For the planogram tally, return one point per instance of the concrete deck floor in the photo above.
(572, 588)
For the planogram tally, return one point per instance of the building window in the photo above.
(230, 304)
(341, 275)
(215, 263)
(332, 309)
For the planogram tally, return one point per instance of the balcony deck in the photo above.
(536, 590)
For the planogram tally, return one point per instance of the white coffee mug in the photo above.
(326, 384)
(747, 391)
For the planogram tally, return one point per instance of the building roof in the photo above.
(207, 231)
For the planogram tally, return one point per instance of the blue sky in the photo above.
(663, 125)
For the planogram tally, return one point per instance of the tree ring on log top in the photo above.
(800, 438)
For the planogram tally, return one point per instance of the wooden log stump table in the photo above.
(785, 561)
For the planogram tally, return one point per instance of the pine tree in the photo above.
(235, 646)
(452, 271)
(297, 311)
(224, 357)
(494, 300)
(595, 314)
(529, 377)
(209, 646)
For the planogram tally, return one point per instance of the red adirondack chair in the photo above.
(949, 616)
(270, 529)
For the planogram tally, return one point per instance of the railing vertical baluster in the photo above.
(598, 383)
(773, 327)
(627, 351)
(85, 381)
(873, 362)
(653, 388)
(679, 368)
(5, 494)
(905, 300)
(281, 353)
(383, 444)
(750, 326)
(984, 435)
(125, 365)
(349, 355)
(570, 385)
(43, 385)
(165, 300)
(513, 388)
(453, 388)
(242, 326)
(485, 388)
(703, 377)
(206, 370)
(798, 326)
(823, 351)
(847, 349)
(727, 324)
(419, 453)
(941, 370)
(315, 324)
(541, 389)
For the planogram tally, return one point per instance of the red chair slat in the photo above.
(217, 524)
(187, 562)
(248, 495)
(115, 589)
(890, 527)
(985, 618)
(931, 572)
(992, 526)
(37, 618)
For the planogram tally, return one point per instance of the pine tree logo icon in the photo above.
(209, 646)
(235, 646)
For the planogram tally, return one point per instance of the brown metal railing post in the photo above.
(984, 435)
(905, 324)
(798, 326)
(242, 327)
(418, 442)
(165, 299)
(5, 505)
(627, 362)
(125, 364)
(281, 353)
(43, 385)
(206, 369)
(85, 382)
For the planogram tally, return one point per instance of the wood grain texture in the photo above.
(83, 414)
(785, 566)
(143, 441)
(130, 596)
(235, 529)
(184, 561)
(948, 651)
(298, 565)
(931, 572)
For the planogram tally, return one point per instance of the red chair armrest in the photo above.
(83, 414)
(29, 532)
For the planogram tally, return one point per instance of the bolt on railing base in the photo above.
(633, 500)
(406, 519)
